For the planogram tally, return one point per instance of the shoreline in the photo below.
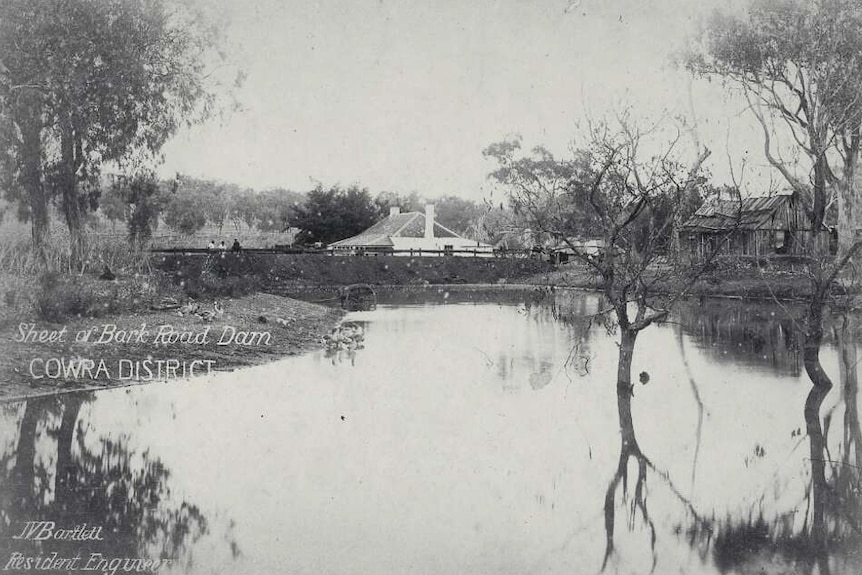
(295, 325)
(250, 330)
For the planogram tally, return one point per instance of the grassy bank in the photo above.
(116, 290)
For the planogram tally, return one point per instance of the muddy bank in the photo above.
(42, 358)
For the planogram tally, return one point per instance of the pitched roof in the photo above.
(752, 213)
(406, 225)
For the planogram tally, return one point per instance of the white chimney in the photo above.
(429, 220)
(394, 210)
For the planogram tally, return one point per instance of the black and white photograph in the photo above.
(454, 287)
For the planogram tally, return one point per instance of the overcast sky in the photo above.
(403, 95)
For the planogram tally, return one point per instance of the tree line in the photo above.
(324, 214)
(90, 86)
(85, 84)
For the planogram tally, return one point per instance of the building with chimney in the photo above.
(411, 233)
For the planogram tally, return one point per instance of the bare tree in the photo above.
(623, 189)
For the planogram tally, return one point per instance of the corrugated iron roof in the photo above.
(752, 213)
(406, 225)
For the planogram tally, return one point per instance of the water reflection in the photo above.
(55, 473)
(823, 532)
(344, 341)
(470, 434)
(634, 505)
(745, 333)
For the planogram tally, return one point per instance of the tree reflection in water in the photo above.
(823, 532)
(581, 313)
(636, 508)
(108, 485)
(754, 334)
(825, 527)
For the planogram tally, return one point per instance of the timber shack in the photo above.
(757, 226)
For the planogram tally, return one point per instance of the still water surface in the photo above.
(471, 434)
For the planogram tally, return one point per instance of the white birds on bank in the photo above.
(210, 314)
(347, 336)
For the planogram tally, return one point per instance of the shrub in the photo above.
(209, 284)
(60, 297)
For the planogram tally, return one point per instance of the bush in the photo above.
(60, 297)
(208, 284)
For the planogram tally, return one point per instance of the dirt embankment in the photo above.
(279, 271)
(138, 347)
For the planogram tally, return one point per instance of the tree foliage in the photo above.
(457, 214)
(84, 82)
(186, 212)
(332, 214)
(614, 191)
(187, 204)
(799, 64)
(412, 202)
(138, 201)
(604, 191)
(275, 208)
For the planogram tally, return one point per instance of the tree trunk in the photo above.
(628, 446)
(821, 384)
(69, 190)
(24, 472)
(675, 244)
(624, 390)
(817, 446)
(813, 339)
(64, 476)
(849, 202)
(31, 176)
(849, 471)
(850, 393)
(819, 200)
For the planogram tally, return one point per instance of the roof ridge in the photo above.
(453, 232)
(405, 224)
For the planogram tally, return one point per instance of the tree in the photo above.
(275, 209)
(607, 191)
(185, 212)
(799, 65)
(456, 213)
(218, 204)
(139, 201)
(128, 493)
(243, 208)
(614, 191)
(328, 215)
(113, 204)
(410, 203)
(83, 82)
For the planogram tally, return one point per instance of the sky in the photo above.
(403, 95)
